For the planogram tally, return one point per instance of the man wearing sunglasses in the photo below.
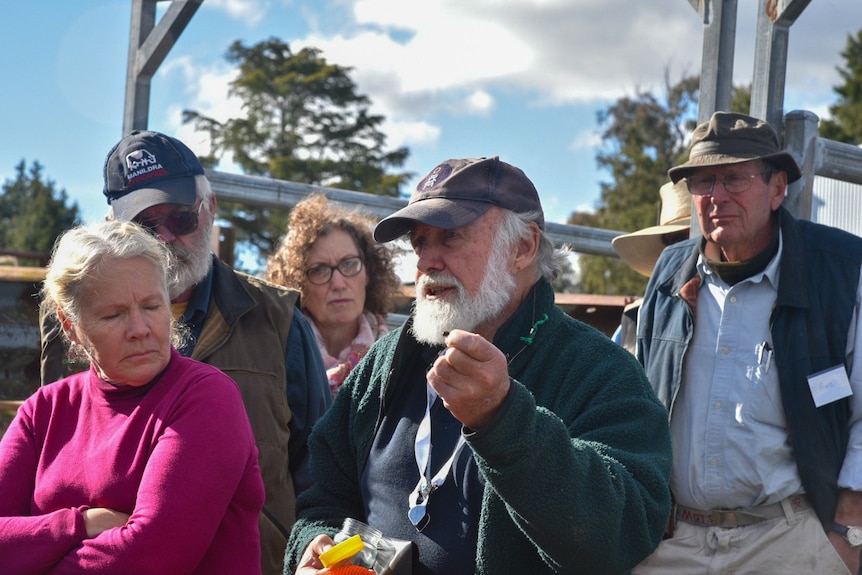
(250, 329)
(748, 335)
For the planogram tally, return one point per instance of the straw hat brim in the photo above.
(640, 250)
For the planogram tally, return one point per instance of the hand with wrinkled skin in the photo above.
(471, 377)
(849, 512)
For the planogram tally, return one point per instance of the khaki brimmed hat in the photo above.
(457, 192)
(729, 138)
(641, 249)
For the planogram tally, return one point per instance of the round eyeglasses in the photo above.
(179, 223)
(704, 185)
(348, 267)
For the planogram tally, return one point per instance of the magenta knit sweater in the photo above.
(177, 455)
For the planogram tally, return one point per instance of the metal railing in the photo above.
(817, 157)
(267, 192)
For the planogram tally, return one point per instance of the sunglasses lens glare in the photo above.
(178, 223)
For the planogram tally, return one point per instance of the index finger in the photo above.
(473, 345)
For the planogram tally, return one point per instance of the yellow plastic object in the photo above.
(344, 550)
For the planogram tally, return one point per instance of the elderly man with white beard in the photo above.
(493, 431)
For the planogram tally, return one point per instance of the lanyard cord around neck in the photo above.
(418, 499)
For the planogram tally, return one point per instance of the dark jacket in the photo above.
(819, 274)
(576, 468)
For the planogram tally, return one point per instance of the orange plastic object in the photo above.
(344, 550)
(351, 570)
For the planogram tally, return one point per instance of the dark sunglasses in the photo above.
(180, 223)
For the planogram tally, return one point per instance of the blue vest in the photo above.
(819, 276)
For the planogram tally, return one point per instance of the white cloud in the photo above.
(393, 13)
(480, 102)
(586, 140)
(561, 52)
(251, 12)
(558, 207)
(410, 134)
(206, 86)
(434, 66)
(453, 58)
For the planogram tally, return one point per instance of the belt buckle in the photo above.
(726, 519)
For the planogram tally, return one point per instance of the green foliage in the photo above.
(740, 99)
(567, 280)
(33, 213)
(303, 122)
(642, 138)
(846, 122)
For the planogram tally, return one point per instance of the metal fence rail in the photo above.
(817, 157)
(267, 192)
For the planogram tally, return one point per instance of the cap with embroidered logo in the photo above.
(458, 191)
(146, 169)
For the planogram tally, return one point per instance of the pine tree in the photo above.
(642, 138)
(304, 122)
(846, 122)
(33, 213)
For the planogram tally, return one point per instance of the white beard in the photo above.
(466, 311)
(192, 264)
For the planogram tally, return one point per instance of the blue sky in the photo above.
(516, 78)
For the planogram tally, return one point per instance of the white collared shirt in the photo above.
(730, 441)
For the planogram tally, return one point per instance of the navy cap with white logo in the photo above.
(146, 169)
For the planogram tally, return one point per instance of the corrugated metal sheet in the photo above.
(838, 204)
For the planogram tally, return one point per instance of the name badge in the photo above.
(829, 385)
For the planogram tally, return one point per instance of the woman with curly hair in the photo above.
(347, 281)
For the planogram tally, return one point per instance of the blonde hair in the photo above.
(80, 251)
(315, 217)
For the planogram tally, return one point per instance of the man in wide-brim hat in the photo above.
(640, 250)
(747, 335)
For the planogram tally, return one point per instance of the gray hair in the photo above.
(204, 193)
(516, 226)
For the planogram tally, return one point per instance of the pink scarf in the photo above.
(371, 328)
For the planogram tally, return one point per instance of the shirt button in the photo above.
(733, 299)
(718, 405)
(713, 461)
(725, 350)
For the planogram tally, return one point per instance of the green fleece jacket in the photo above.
(576, 468)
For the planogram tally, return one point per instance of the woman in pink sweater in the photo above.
(144, 464)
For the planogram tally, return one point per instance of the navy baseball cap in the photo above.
(146, 169)
(458, 191)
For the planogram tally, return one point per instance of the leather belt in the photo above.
(730, 518)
